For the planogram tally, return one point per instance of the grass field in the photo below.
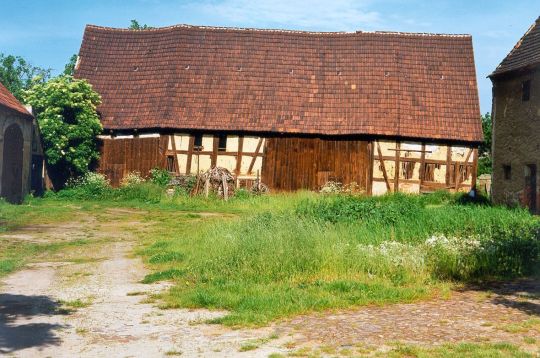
(267, 257)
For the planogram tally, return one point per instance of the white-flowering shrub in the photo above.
(131, 179)
(331, 187)
(334, 187)
(90, 184)
(455, 257)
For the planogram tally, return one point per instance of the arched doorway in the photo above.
(12, 166)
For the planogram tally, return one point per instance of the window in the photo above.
(526, 90)
(170, 163)
(222, 142)
(507, 168)
(197, 143)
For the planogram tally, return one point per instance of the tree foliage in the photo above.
(17, 75)
(66, 112)
(69, 69)
(485, 161)
(136, 26)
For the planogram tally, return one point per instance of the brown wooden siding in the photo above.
(122, 156)
(307, 163)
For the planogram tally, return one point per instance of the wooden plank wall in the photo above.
(293, 163)
(122, 156)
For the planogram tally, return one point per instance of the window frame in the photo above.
(197, 140)
(222, 142)
(507, 171)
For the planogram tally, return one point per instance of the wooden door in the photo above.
(530, 188)
(12, 164)
(293, 163)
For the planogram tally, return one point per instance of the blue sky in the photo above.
(48, 32)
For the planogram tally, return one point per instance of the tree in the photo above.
(484, 152)
(17, 75)
(136, 26)
(69, 69)
(65, 109)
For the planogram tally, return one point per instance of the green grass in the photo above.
(14, 254)
(336, 252)
(263, 258)
(466, 350)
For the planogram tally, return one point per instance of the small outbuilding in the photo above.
(21, 157)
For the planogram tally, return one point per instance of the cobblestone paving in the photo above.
(496, 313)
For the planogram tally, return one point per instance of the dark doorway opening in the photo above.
(37, 175)
(12, 164)
(530, 188)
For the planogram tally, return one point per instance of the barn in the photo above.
(21, 157)
(387, 111)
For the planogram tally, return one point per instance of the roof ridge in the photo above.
(204, 27)
(516, 47)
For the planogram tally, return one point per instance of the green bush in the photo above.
(160, 177)
(89, 186)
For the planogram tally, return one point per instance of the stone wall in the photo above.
(516, 137)
(7, 118)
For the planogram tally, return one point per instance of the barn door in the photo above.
(12, 164)
(530, 188)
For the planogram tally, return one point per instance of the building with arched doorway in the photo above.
(21, 157)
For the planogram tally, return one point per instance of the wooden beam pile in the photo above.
(217, 180)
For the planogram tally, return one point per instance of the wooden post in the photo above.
(422, 169)
(215, 144)
(396, 169)
(448, 164)
(239, 159)
(369, 183)
(255, 155)
(474, 170)
(225, 187)
(175, 160)
(383, 167)
(190, 154)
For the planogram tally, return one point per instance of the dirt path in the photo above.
(96, 308)
(90, 303)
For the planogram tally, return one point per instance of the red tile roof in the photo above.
(525, 53)
(9, 101)
(189, 77)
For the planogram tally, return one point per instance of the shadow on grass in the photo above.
(523, 295)
(15, 334)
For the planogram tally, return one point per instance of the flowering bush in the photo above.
(88, 185)
(334, 187)
(132, 179)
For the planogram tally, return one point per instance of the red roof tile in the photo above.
(525, 53)
(9, 101)
(188, 77)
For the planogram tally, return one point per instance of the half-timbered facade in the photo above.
(387, 111)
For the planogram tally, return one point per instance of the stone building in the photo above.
(386, 111)
(21, 158)
(516, 124)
